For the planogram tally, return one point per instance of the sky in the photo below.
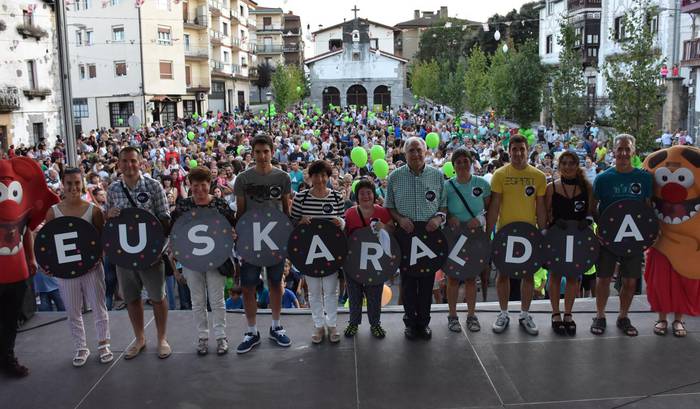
(389, 12)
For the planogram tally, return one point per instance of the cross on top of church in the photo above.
(355, 9)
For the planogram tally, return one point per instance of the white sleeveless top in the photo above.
(87, 216)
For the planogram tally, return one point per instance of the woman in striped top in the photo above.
(319, 202)
(90, 285)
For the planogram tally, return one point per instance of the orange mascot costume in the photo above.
(672, 271)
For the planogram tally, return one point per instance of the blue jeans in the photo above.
(49, 300)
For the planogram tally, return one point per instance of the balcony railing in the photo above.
(583, 4)
(236, 42)
(291, 48)
(271, 27)
(196, 23)
(236, 69)
(217, 65)
(268, 48)
(253, 72)
(215, 6)
(252, 22)
(37, 92)
(691, 53)
(291, 31)
(9, 99)
(690, 6)
(196, 53)
(216, 37)
(30, 30)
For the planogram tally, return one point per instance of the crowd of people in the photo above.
(484, 174)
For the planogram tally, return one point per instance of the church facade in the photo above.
(358, 72)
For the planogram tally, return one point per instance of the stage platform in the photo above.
(467, 370)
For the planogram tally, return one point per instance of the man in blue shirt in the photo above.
(622, 182)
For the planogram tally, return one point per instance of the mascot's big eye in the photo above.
(684, 177)
(3, 192)
(14, 192)
(662, 176)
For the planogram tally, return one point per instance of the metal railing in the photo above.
(217, 65)
(691, 52)
(196, 23)
(271, 27)
(196, 52)
(291, 48)
(268, 48)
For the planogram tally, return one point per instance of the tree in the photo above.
(527, 79)
(265, 71)
(424, 79)
(500, 85)
(517, 27)
(631, 76)
(568, 86)
(476, 81)
(288, 84)
(451, 86)
(451, 43)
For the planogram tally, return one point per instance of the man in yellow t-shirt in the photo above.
(517, 195)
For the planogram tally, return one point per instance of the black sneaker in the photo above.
(13, 368)
(250, 340)
(279, 335)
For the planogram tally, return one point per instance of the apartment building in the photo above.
(30, 96)
(293, 42)
(269, 45)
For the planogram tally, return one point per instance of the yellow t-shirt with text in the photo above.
(519, 189)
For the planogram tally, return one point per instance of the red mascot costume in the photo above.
(24, 200)
(672, 271)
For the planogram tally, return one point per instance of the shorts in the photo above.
(131, 282)
(250, 274)
(630, 267)
(588, 282)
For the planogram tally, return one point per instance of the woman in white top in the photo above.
(90, 285)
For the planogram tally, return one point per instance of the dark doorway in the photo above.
(357, 95)
(382, 96)
(331, 95)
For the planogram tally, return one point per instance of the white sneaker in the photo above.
(501, 323)
(528, 324)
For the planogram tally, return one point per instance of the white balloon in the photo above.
(505, 48)
(497, 35)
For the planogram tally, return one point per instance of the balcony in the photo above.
(215, 7)
(291, 48)
(271, 27)
(217, 67)
(253, 72)
(236, 69)
(236, 43)
(37, 93)
(291, 31)
(30, 30)
(193, 53)
(217, 39)
(196, 23)
(9, 99)
(691, 53)
(574, 5)
(690, 6)
(252, 22)
(235, 16)
(269, 48)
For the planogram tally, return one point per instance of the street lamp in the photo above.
(268, 97)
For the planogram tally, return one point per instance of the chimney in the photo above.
(416, 13)
(443, 11)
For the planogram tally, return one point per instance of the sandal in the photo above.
(453, 324)
(598, 326)
(81, 357)
(473, 323)
(569, 325)
(661, 327)
(134, 351)
(558, 326)
(626, 326)
(106, 355)
(679, 329)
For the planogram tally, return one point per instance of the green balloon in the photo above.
(195, 115)
(354, 185)
(316, 118)
(381, 168)
(377, 152)
(205, 124)
(358, 156)
(491, 125)
(317, 132)
(120, 121)
(432, 140)
(298, 88)
(290, 115)
(190, 135)
(193, 163)
(306, 145)
(448, 169)
(240, 149)
(390, 129)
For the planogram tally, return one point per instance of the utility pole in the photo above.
(66, 92)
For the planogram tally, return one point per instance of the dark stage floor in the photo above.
(480, 370)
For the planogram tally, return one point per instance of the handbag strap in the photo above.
(128, 195)
(464, 201)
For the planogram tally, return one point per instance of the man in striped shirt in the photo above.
(415, 194)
